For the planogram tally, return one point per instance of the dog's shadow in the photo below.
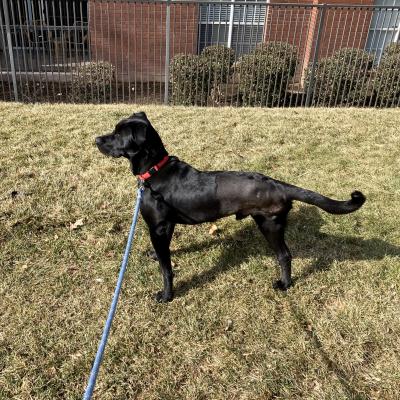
(304, 239)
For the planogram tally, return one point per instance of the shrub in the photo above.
(387, 77)
(195, 77)
(222, 59)
(281, 50)
(392, 49)
(342, 78)
(265, 72)
(189, 77)
(92, 80)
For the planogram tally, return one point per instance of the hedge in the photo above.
(193, 78)
(343, 78)
(222, 59)
(92, 80)
(265, 72)
(387, 77)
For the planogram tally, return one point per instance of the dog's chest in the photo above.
(190, 201)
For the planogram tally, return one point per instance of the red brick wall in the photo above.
(343, 27)
(132, 36)
(294, 25)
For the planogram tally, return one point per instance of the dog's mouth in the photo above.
(105, 148)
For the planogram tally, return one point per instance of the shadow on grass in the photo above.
(304, 239)
(342, 376)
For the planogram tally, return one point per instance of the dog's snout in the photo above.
(99, 140)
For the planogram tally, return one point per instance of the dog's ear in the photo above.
(140, 114)
(137, 126)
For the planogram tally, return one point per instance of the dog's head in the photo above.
(135, 139)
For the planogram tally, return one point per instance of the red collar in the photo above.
(154, 169)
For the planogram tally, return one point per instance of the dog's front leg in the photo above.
(161, 238)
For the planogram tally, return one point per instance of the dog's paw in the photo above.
(161, 297)
(279, 285)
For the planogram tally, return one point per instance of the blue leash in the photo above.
(100, 351)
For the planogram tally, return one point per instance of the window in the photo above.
(48, 12)
(31, 21)
(384, 28)
(240, 27)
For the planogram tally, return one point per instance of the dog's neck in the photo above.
(146, 160)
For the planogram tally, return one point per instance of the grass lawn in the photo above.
(227, 334)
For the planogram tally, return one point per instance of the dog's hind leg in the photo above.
(273, 229)
(161, 236)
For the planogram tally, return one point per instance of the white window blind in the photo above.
(384, 28)
(237, 26)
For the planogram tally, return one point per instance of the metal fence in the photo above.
(158, 51)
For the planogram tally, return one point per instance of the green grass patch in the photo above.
(227, 334)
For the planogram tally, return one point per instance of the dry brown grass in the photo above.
(228, 334)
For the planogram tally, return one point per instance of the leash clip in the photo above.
(140, 184)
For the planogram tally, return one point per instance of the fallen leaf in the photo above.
(229, 325)
(213, 230)
(52, 371)
(76, 355)
(76, 224)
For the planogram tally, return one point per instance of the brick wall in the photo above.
(132, 36)
(343, 27)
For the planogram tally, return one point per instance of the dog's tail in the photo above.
(325, 203)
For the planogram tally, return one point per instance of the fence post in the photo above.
(310, 90)
(10, 49)
(230, 30)
(167, 50)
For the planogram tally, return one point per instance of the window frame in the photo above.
(230, 22)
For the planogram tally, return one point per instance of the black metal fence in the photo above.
(200, 52)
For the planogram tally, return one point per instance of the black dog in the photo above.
(176, 193)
